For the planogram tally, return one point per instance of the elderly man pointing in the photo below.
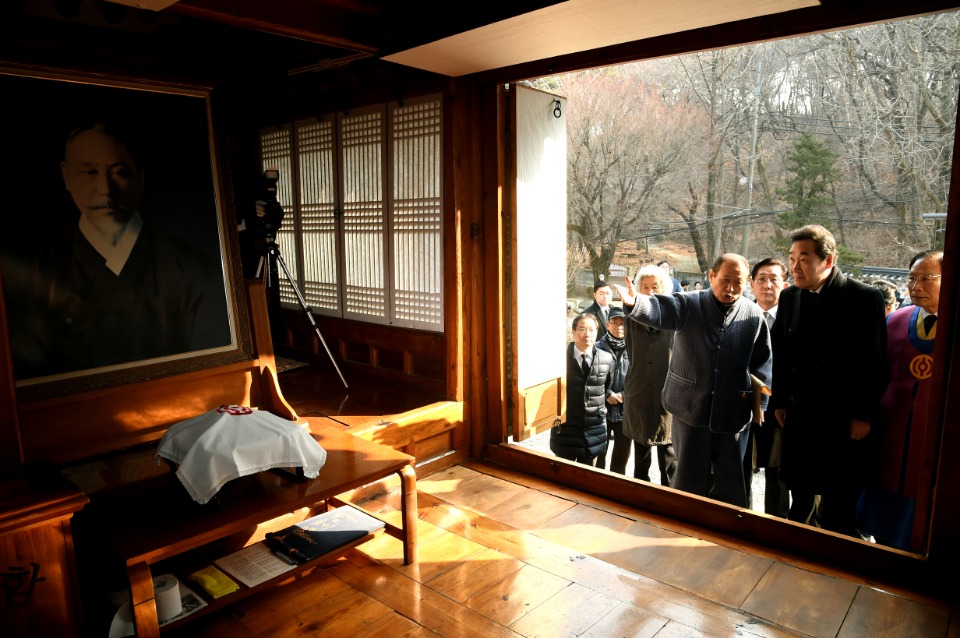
(721, 339)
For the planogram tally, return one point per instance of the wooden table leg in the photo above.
(408, 508)
(145, 619)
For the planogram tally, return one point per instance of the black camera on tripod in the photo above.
(268, 220)
(269, 212)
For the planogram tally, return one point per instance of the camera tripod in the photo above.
(272, 250)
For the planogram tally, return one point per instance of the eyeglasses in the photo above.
(926, 278)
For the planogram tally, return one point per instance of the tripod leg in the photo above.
(272, 288)
(309, 313)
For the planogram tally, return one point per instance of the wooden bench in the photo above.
(153, 520)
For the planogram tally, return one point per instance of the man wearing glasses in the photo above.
(829, 374)
(768, 278)
(895, 510)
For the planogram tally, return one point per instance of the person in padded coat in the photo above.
(583, 437)
(615, 343)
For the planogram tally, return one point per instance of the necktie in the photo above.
(928, 323)
(768, 318)
(584, 365)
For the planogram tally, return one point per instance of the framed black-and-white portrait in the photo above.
(114, 252)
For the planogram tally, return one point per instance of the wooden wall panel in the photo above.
(380, 350)
(540, 407)
(80, 425)
(433, 447)
(413, 426)
(52, 607)
(11, 453)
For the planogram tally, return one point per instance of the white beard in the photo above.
(110, 228)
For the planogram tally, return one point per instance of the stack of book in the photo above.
(321, 534)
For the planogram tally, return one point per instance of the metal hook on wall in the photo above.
(556, 109)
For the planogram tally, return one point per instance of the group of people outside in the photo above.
(721, 385)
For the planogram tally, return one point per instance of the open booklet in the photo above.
(254, 564)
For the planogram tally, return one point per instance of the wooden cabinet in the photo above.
(37, 568)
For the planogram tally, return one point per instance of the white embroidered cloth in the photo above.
(233, 441)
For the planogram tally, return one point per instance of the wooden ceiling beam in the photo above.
(336, 24)
(831, 14)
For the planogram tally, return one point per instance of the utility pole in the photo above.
(938, 220)
(745, 237)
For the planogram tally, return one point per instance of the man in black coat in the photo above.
(583, 437)
(829, 374)
(600, 308)
(768, 279)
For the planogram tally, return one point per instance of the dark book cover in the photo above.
(322, 533)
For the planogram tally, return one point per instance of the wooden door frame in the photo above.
(840, 552)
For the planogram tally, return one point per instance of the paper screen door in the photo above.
(537, 259)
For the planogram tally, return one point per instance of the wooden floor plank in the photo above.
(587, 529)
(582, 569)
(446, 481)
(341, 617)
(309, 607)
(395, 626)
(438, 551)
(693, 531)
(809, 603)
(652, 550)
(529, 510)
(626, 620)
(678, 630)
(571, 612)
(516, 595)
(646, 593)
(472, 577)
(419, 603)
(717, 573)
(221, 624)
(874, 613)
(483, 492)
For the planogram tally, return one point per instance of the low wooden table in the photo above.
(156, 520)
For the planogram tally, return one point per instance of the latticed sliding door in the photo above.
(416, 222)
(276, 151)
(363, 196)
(364, 219)
(319, 237)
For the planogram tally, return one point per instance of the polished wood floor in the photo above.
(503, 554)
